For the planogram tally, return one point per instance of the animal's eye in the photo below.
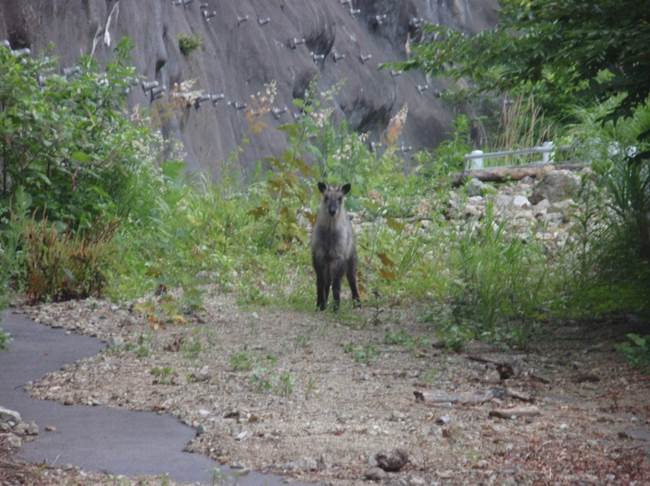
(340, 199)
(327, 198)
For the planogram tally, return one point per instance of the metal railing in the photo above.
(476, 158)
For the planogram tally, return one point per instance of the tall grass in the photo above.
(502, 282)
(64, 265)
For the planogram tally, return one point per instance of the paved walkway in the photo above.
(113, 440)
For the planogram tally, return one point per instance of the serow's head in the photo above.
(333, 197)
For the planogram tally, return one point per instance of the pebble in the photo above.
(521, 202)
(304, 464)
(243, 435)
(443, 420)
(375, 474)
(397, 417)
(416, 481)
(14, 441)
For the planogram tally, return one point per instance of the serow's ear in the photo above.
(346, 188)
(322, 187)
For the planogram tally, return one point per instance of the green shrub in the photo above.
(12, 258)
(614, 261)
(501, 280)
(637, 351)
(69, 143)
(4, 340)
(188, 43)
(61, 266)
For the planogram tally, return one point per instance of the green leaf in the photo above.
(173, 169)
(80, 156)
(636, 339)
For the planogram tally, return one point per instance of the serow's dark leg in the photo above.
(320, 291)
(351, 273)
(326, 289)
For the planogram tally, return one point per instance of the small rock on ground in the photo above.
(392, 461)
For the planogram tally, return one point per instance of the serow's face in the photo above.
(333, 197)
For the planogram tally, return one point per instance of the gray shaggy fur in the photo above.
(333, 247)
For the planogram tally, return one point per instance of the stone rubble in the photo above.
(13, 429)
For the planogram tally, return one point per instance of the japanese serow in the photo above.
(333, 248)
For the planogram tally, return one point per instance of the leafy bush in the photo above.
(189, 43)
(615, 262)
(68, 142)
(12, 259)
(538, 48)
(62, 266)
(636, 350)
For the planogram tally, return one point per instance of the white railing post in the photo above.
(547, 154)
(477, 160)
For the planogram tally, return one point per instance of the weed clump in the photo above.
(62, 266)
(189, 43)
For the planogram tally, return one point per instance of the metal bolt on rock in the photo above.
(295, 42)
(337, 56)
(216, 98)
(149, 85)
(237, 105)
(278, 112)
(207, 15)
(200, 100)
(157, 92)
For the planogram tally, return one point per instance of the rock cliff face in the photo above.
(247, 43)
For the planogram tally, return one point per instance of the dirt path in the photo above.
(96, 438)
(296, 394)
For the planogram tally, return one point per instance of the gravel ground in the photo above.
(303, 395)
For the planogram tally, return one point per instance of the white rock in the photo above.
(25, 428)
(397, 417)
(503, 201)
(7, 415)
(14, 441)
(416, 481)
(474, 187)
(521, 202)
(524, 214)
(556, 186)
(561, 206)
(375, 474)
(472, 211)
(554, 218)
(242, 435)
